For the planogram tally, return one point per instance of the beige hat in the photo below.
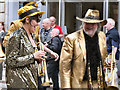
(92, 16)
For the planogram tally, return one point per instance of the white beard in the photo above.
(91, 34)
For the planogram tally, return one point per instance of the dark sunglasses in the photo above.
(37, 18)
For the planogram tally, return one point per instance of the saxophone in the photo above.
(100, 77)
(42, 69)
(90, 85)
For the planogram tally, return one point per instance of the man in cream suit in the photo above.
(82, 53)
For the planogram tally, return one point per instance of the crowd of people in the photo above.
(77, 60)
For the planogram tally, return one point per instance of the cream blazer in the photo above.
(73, 58)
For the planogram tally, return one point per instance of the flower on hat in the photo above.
(28, 11)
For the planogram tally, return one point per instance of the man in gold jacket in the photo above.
(17, 24)
(82, 53)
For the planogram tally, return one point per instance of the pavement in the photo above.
(3, 85)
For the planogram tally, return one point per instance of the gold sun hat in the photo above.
(92, 16)
(28, 11)
(32, 4)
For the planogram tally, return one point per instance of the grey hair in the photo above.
(53, 17)
(98, 29)
(47, 20)
(111, 21)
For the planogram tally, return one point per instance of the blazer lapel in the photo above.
(82, 44)
(100, 45)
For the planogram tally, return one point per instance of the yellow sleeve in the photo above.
(14, 26)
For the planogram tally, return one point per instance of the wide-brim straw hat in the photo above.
(28, 11)
(92, 16)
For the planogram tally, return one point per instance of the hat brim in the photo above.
(33, 14)
(102, 22)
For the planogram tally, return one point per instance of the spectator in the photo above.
(45, 31)
(1, 28)
(2, 34)
(52, 65)
(112, 37)
(2, 52)
(54, 25)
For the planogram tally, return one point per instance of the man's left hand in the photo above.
(55, 55)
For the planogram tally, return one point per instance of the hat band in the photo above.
(92, 17)
(28, 13)
(33, 5)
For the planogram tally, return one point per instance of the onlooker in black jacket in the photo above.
(112, 37)
(52, 65)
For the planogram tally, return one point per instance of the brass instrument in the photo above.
(112, 86)
(90, 86)
(107, 79)
(100, 77)
(42, 69)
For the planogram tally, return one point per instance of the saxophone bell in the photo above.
(113, 86)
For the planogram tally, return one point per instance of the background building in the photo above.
(65, 11)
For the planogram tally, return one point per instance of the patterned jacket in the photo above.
(14, 26)
(21, 69)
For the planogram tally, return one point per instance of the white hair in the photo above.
(47, 20)
(111, 21)
(52, 17)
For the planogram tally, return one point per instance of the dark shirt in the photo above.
(45, 35)
(53, 66)
(55, 45)
(93, 55)
(112, 37)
